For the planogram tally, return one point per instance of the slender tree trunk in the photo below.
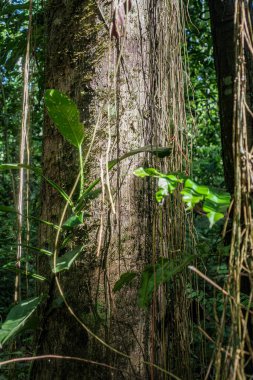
(222, 24)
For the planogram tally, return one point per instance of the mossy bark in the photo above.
(70, 53)
(112, 81)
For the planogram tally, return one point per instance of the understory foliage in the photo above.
(215, 300)
(65, 115)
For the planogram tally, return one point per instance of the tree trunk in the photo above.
(222, 24)
(234, 63)
(69, 45)
(132, 83)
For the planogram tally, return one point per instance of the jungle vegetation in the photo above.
(126, 232)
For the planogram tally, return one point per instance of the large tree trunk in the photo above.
(134, 85)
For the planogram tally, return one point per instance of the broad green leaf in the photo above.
(160, 273)
(146, 287)
(173, 178)
(160, 195)
(190, 197)
(140, 172)
(201, 190)
(125, 279)
(17, 318)
(147, 172)
(64, 113)
(210, 206)
(220, 199)
(64, 262)
(215, 205)
(166, 186)
(73, 221)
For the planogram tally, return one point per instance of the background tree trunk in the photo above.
(234, 62)
(222, 24)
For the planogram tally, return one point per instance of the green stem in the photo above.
(81, 170)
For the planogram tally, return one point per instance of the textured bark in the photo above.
(137, 105)
(66, 33)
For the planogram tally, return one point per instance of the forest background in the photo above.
(117, 211)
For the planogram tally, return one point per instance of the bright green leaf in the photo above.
(214, 217)
(191, 198)
(73, 221)
(201, 190)
(64, 113)
(141, 172)
(64, 262)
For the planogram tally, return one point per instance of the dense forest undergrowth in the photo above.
(125, 189)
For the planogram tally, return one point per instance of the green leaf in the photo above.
(162, 272)
(64, 262)
(166, 186)
(163, 189)
(215, 205)
(214, 217)
(17, 319)
(125, 279)
(146, 287)
(64, 113)
(191, 198)
(221, 200)
(148, 172)
(200, 190)
(73, 221)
